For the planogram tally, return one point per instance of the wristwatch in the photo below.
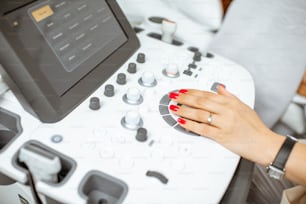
(276, 169)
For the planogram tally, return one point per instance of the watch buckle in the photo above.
(275, 172)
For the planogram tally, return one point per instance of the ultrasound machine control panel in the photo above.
(87, 120)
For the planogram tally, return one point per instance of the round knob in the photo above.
(171, 71)
(121, 78)
(94, 103)
(133, 96)
(132, 68)
(109, 90)
(147, 79)
(141, 135)
(141, 58)
(132, 120)
(197, 56)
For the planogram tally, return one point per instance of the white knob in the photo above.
(132, 120)
(133, 96)
(168, 30)
(171, 71)
(147, 79)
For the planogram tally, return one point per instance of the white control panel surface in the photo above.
(102, 134)
(196, 20)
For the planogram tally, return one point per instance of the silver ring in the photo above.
(209, 119)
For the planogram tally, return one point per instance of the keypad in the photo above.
(75, 29)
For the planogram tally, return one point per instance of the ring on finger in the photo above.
(210, 119)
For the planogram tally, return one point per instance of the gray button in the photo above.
(169, 120)
(192, 65)
(197, 56)
(141, 58)
(187, 72)
(165, 100)
(142, 134)
(94, 103)
(157, 175)
(163, 110)
(132, 68)
(121, 78)
(109, 90)
(56, 36)
(59, 5)
(215, 86)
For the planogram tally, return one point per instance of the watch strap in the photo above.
(283, 153)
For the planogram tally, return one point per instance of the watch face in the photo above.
(275, 172)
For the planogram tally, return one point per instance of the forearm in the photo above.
(296, 164)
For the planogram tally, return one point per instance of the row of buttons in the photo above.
(77, 30)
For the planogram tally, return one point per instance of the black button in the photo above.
(187, 72)
(141, 58)
(142, 134)
(158, 175)
(109, 90)
(121, 78)
(94, 103)
(132, 68)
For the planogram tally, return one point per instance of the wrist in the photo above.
(277, 167)
(272, 143)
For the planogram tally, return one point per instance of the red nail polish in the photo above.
(222, 85)
(181, 121)
(173, 95)
(174, 107)
(183, 91)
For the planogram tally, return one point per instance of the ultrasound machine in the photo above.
(84, 108)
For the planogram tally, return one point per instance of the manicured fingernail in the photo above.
(222, 85)
(181, 121)
(173, 95)
(183, 91)
(174, 107)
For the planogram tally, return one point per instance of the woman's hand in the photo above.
(228, 121)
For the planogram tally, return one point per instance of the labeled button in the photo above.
(59, 5)
(82, 7)
(73, 26)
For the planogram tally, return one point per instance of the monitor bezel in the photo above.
(38, 97)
